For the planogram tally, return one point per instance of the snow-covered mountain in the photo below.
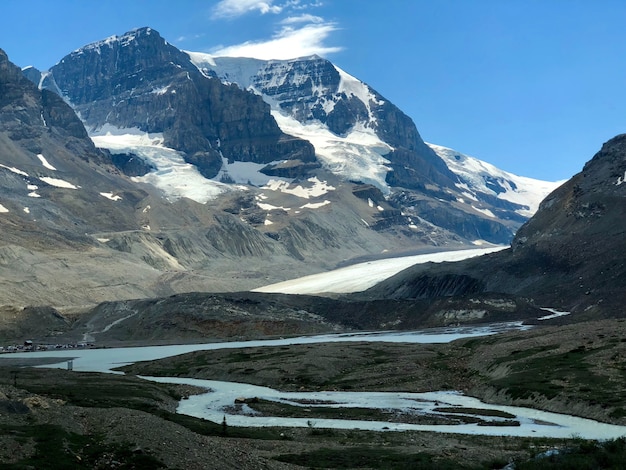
(480, 180)
(236, 173)
(218, 131)
(359, 135)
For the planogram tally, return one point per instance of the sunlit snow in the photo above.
(269, 207)
(553, 314)
(57, 182)
(351, 86)
(359, 155)
(527, 191)
(317, 188)
(45, 162)
(359, 277)
(315, 205)
(111, 196)
(12, 169)
(33, 190)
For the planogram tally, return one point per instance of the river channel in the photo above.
(217, 403)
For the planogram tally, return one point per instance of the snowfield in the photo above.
(362, 276)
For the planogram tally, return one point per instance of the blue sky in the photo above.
(532, 86)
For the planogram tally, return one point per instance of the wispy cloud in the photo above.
(298, 33)
(188, 38)
(288, 43)
(302, 19)
(234, 8)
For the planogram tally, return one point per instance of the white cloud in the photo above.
(303, 19)
(288, 43)
(234, 8)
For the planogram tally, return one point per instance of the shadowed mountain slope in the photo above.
(570, 255)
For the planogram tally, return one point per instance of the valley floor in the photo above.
(575, 369)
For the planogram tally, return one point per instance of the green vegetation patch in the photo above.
(585, 455)
(568, 372)
(92, 389)
(56, 448)
(366, 457)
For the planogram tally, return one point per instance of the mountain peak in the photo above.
(125, 39)
(607, 169)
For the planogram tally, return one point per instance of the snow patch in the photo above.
(487, 212)
(45, 162)
(269, 207)
(12, 169)
(318, 188)
(554, 313)
(111, 196)
(33, 188)
(315, 205)
(58, 183)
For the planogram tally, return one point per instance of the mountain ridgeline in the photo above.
(239, 173)
(141, 81)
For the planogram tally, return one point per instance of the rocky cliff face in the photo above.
(140, 81)
(570, 255)
(45, 158)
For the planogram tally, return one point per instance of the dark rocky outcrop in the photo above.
(140, 81)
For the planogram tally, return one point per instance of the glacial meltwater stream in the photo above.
(218, 402)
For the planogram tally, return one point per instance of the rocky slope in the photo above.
(570, 255)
